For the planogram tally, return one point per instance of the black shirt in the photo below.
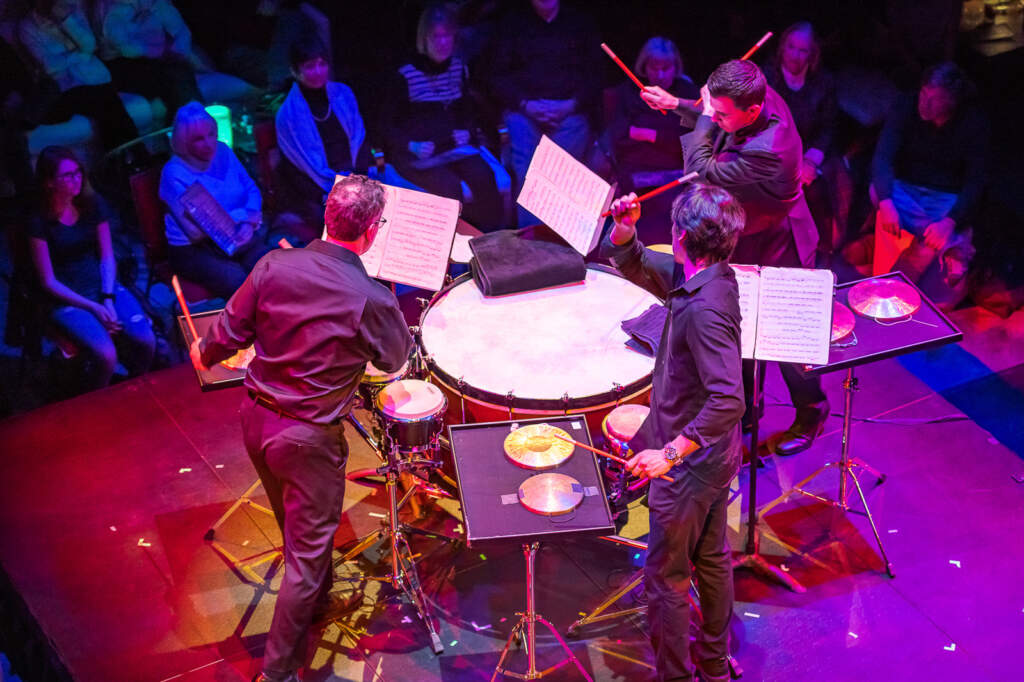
(74, 249)
(949, 159)
(698, 381)
(664, 153)
(814, 107)
(426, 101)
(316, 319)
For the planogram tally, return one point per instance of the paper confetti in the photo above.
(218, 466)
(478, 628)
(184, 470)
(784, 567)
(143, 543)
(894, 530)
(454, 642)
(853, 634)
(113, 529)
(406, 619)
(376, 515)
(955, 562)
(752, 615)
(951, 647)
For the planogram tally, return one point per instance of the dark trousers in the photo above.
(777, 249)
(302, 468)
(172, 81)
(688, 524)
(485, 211)
(100, 103)
(206, 265)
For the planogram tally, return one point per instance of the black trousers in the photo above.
(302, 468)
(172, 81)
(100, 103)
(485, 211)
(688, 524)
(206, 265)
(776, 248)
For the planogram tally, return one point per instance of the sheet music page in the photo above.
(373, 258)
(566, 195)
(794, 321)
(748, 278)
(420, 230)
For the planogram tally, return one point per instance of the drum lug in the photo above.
(565, 402)
(619, 390)
(510, 398)
(460, 384)
(424, 302)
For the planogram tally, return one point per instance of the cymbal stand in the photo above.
(528, 621)
(847, 466)
(752, 559)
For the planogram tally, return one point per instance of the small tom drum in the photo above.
(412, 413)
(375, 379)
(619, 427)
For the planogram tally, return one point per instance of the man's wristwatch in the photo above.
(670, 454)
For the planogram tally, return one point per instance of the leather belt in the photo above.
(269, 404)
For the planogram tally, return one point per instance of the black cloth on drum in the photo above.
(316, 319)
(645, 329)
(514, 261)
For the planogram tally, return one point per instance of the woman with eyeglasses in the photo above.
(73, 256)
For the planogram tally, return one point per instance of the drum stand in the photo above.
(528, 620)
(846, 466)
(404, 575)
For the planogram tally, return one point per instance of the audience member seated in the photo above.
(200, 158)
(808, 88)
(431, 124)
(73, 255)
(544, 73)
(148, 48)
(928, 176)
(57, 35)
(321, 135)
(645, 144)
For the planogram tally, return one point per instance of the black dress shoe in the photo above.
(802, 433)
(713, 670)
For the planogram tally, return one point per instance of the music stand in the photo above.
(488, 485)
(927, 327)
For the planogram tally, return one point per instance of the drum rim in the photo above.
(440, 410)
(612, 395)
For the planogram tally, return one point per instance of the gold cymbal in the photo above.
(550, 494)
(884, 299)
(534, 446)
(842, 321)
(241, 359)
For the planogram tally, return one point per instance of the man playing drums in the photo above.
(316, 319)
(692, 432)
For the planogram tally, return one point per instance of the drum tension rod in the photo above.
(510, 398)
(619, 389)
(565, 402)
(460, 384)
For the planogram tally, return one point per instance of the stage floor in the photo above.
(106, 499)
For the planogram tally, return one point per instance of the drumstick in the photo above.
(602, 453)
(748, 55)
(284, 243)
(632, 76)
(184, 306)
(658, 190)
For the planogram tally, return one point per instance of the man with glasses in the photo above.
(316, 319)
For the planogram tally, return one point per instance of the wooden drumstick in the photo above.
(632, 76)
(184, 306)
(658, 190)
(602, 453)
(284, 243)
(748, 55)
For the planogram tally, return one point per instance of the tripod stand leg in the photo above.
(410, 584)
(595, 615)
(516, 632)
(874, 528)
(757, 565)
(568, 652)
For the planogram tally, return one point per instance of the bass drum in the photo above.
(555, 351)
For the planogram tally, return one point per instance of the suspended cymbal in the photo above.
(550, 494)
(534, 446)
(884, 299)
(842, 321)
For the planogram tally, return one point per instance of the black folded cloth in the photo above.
(514, 261)
(645, 329)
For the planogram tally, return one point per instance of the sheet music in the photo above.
(566, 195)
(794, 319)
(413, 245)
(749, 280)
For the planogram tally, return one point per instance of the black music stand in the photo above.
(871, 341)
(488, 485)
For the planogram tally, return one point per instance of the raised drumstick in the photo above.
(602, 453)
(632, 76)
(658, 190)
(184, 306)
(748, 55)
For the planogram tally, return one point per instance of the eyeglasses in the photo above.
(380, 223)
(70, 175)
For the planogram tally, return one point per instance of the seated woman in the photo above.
(809, 90)
(73, 256)
(928, 175)
(431, 123)
(57, 35)
(200, 158)
(321, 135)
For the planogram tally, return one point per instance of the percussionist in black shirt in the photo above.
(692, 432)
(316, 319)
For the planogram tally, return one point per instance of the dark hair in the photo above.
(712, 220)
(950, 78)
(813, 61)
(740, 81)
(304, 49)
(354, 202)
(46, 170)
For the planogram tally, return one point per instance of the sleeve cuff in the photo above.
(689, 431)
